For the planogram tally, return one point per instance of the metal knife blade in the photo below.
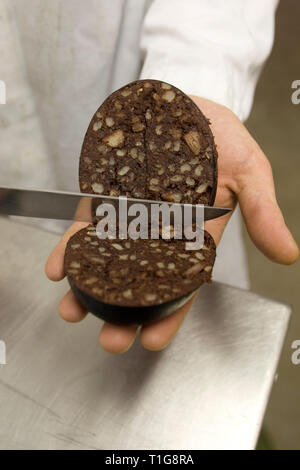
(73, 206)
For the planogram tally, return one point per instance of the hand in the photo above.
(245, 176)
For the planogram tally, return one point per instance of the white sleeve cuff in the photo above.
(213, 49)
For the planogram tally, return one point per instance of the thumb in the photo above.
(262, 215)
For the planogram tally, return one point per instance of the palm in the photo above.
(245, 176)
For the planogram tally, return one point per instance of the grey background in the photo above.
(275, 124)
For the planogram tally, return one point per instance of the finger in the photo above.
(70, 309)
(217, 226)
(262, 215)
(117, 339)
(55, 264)
(224, 198)
(159, 334)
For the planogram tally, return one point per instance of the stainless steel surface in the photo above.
(64, 205)
(207, 390)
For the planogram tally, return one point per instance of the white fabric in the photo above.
(210, 48)
(61, 58)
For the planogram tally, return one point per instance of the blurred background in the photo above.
(275, 124)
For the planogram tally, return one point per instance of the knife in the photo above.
(72, 206)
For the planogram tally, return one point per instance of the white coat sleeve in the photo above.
(24, 158)
(210, 48)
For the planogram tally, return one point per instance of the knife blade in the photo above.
(72, 206)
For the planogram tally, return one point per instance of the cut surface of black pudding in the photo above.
(149, 140)
(136, 273)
